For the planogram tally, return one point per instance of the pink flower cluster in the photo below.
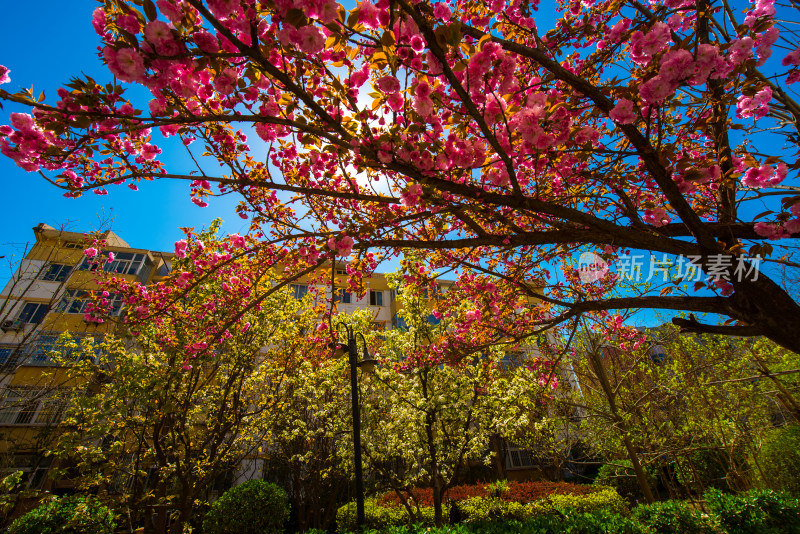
(31, 142)
(411, 196)
(756, 107)
(765, 175)
(678, 67)
(342, 247)
(645, 46)
(4, 78)
(656, 216)
(762, 9)
(308, 39)
(623, 112)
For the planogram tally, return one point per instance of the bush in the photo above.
(492, 508)
(779, 458)
(621, 476)
(522, 492)
(381, 517)
(482, 509)
(73, 515)
(673, 517)
(255, 507)
(570, 521)
(755, 512)
(605, 499)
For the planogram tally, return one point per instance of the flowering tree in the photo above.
(191, 400)
(433, 419)
(460, 129)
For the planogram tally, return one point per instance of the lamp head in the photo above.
(368, 365)
(339, 349)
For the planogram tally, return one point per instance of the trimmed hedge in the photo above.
(254, 507)
(72, 515)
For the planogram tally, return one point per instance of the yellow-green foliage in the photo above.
(377, 517)
(490, 508)
(603, 499)
(480, 509)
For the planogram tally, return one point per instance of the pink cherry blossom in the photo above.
(170, 10)
(442, 11)
(90, 252)
(368, 15)
(99, 21)
(129, 23)
(4, 74)
(388, 84)
(310, 39)
(180, 248)
(206, 42)
(623, 112)
(110, 258)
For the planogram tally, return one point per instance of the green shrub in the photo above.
(380, 517)
(74, 515)
(621, 476)
(779, 459)
(755, 512)
(605, 499)
(492, 508)
(255, 507)
(570, 521)
(673, 517)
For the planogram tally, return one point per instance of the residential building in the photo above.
(46, 297)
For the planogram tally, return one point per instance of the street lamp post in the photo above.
(367, 364)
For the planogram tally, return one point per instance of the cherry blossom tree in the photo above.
(463, 130)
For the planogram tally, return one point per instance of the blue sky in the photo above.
(45, 52)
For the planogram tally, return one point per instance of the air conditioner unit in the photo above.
(11, 326)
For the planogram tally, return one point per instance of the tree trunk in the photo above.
(641, 477)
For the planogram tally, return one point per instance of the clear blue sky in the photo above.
(44, 49)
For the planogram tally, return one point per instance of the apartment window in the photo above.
(8, 355)
(29, 406)
(55, 272)
(77, 301)
(33, 467)
(73, 245)
(345, 297)
(375, 298)
(32, 312)
(125, 263)
(69, 347)
(164, 269)
(299, 290)
(517, 458)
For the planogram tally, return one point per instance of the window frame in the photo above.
(36, 316)
(29, 405)
(375, 297)
(299, 290)
(342, 296)
(55, 272)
